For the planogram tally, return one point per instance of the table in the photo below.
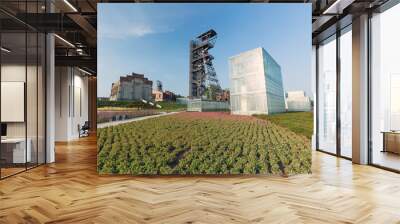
(13, 150)
(391, 141)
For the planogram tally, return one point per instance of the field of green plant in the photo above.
(298, 122)
(202, 143)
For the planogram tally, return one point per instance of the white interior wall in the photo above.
(61, 103)
(14, 73)
(80, 112)
(71, 94)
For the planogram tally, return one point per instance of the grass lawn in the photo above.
(117, 109)
(171, 106)
(298, 122)
(202, 143)
(138, 105)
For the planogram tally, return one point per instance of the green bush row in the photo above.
(176, 145)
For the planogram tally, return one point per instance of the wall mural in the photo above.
(204, 89)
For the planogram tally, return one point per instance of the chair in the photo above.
(84, 130)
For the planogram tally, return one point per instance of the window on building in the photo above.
(346, 92)
(327, 95)
(385, 89)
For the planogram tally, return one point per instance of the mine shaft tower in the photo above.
(201, 72)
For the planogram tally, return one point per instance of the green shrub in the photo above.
(189, 145)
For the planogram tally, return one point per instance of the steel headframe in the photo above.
(202, 73)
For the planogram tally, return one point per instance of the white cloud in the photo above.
(140, 31)
(121, 21)
(131, 30)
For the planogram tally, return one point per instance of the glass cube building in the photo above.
(256, 83)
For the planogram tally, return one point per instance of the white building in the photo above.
(256, 83)
(298, 101)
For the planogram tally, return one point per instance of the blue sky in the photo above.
(153, 39)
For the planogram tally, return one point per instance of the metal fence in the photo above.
(200, 105)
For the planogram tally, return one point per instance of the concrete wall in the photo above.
(50, 97)
(135, 89)
(360, 90)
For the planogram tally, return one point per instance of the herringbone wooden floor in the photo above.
(70, 191)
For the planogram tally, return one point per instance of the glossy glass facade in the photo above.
(256, 83)
(327, 95)
(346, 92)
(22, 77)
(358, 90)
(385, 89)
